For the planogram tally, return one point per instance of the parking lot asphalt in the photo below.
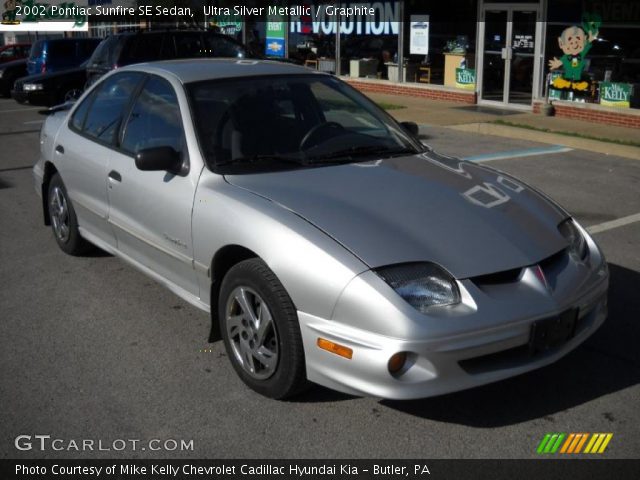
(92, 349)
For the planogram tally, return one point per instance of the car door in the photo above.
(83, 148)
(150, 211)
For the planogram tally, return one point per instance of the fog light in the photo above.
(329, 346)
(397, 362)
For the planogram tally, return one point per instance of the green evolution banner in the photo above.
(276, 35)
(615, 94)
(466, 78)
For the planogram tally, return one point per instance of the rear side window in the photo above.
(105, 113)
(155, 119)
(105, 54)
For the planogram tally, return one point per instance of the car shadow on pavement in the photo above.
(95, 252)
(607, 362)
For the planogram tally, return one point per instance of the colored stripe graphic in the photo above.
(567, 442)
(543, 443)
(598, 442)
(551, 443)
(582, 442)
(573, 443)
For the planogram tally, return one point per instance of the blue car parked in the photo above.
(52, 55)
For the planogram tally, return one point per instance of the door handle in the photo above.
(59, 149)
(115, 176)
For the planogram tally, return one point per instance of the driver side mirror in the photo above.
(411, 128)
(159, 159)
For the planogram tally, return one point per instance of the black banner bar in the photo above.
(542, 469)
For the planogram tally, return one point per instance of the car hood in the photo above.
(470, 219)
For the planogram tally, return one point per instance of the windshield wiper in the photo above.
(261, 158)
(364, 150)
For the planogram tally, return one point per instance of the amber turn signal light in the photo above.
(329, 346)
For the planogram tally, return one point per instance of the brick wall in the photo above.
(420, 91)
(619, 117)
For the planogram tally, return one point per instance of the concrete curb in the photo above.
(606, 148)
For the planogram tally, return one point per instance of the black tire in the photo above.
(57, 199)
(263, 288)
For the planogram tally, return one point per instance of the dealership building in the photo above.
(492, 53)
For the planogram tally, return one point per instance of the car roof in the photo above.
(196, 70)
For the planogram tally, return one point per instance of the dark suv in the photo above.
(54, 55)
(136, 47)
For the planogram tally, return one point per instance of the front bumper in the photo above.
(485, 341)
(36, 98)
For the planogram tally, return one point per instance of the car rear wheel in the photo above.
(64, 222)
(260, 329)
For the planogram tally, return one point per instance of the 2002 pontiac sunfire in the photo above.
(327, 242)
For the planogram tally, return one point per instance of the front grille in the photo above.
(506, 276)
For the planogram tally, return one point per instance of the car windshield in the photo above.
(264, 123)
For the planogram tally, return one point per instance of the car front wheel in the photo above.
(260, 329)
(64, 222)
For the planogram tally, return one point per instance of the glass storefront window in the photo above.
(452, 38)
(610, 56)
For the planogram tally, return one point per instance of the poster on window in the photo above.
(419, 44)
(466, 78)
(615, 94)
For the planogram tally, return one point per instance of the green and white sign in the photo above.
(466, 78)
(228, 24)
(44, 16)
(615, 94)
(276, 35)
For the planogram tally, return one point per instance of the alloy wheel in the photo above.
(252, 333)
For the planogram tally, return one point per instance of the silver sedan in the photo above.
(327, 242)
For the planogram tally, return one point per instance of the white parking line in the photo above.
(33, 122)
(528, 152)
(619, 222)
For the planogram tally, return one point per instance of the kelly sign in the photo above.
(466, 78)
(615, 94)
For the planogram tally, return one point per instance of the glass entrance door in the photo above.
(508, 58)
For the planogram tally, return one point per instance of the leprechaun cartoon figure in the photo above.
(9, 14)
(575, 42)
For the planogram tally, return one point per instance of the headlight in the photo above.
(577, 242)
(31, 87)
(422, 285)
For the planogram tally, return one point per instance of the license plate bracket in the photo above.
(550, 333)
